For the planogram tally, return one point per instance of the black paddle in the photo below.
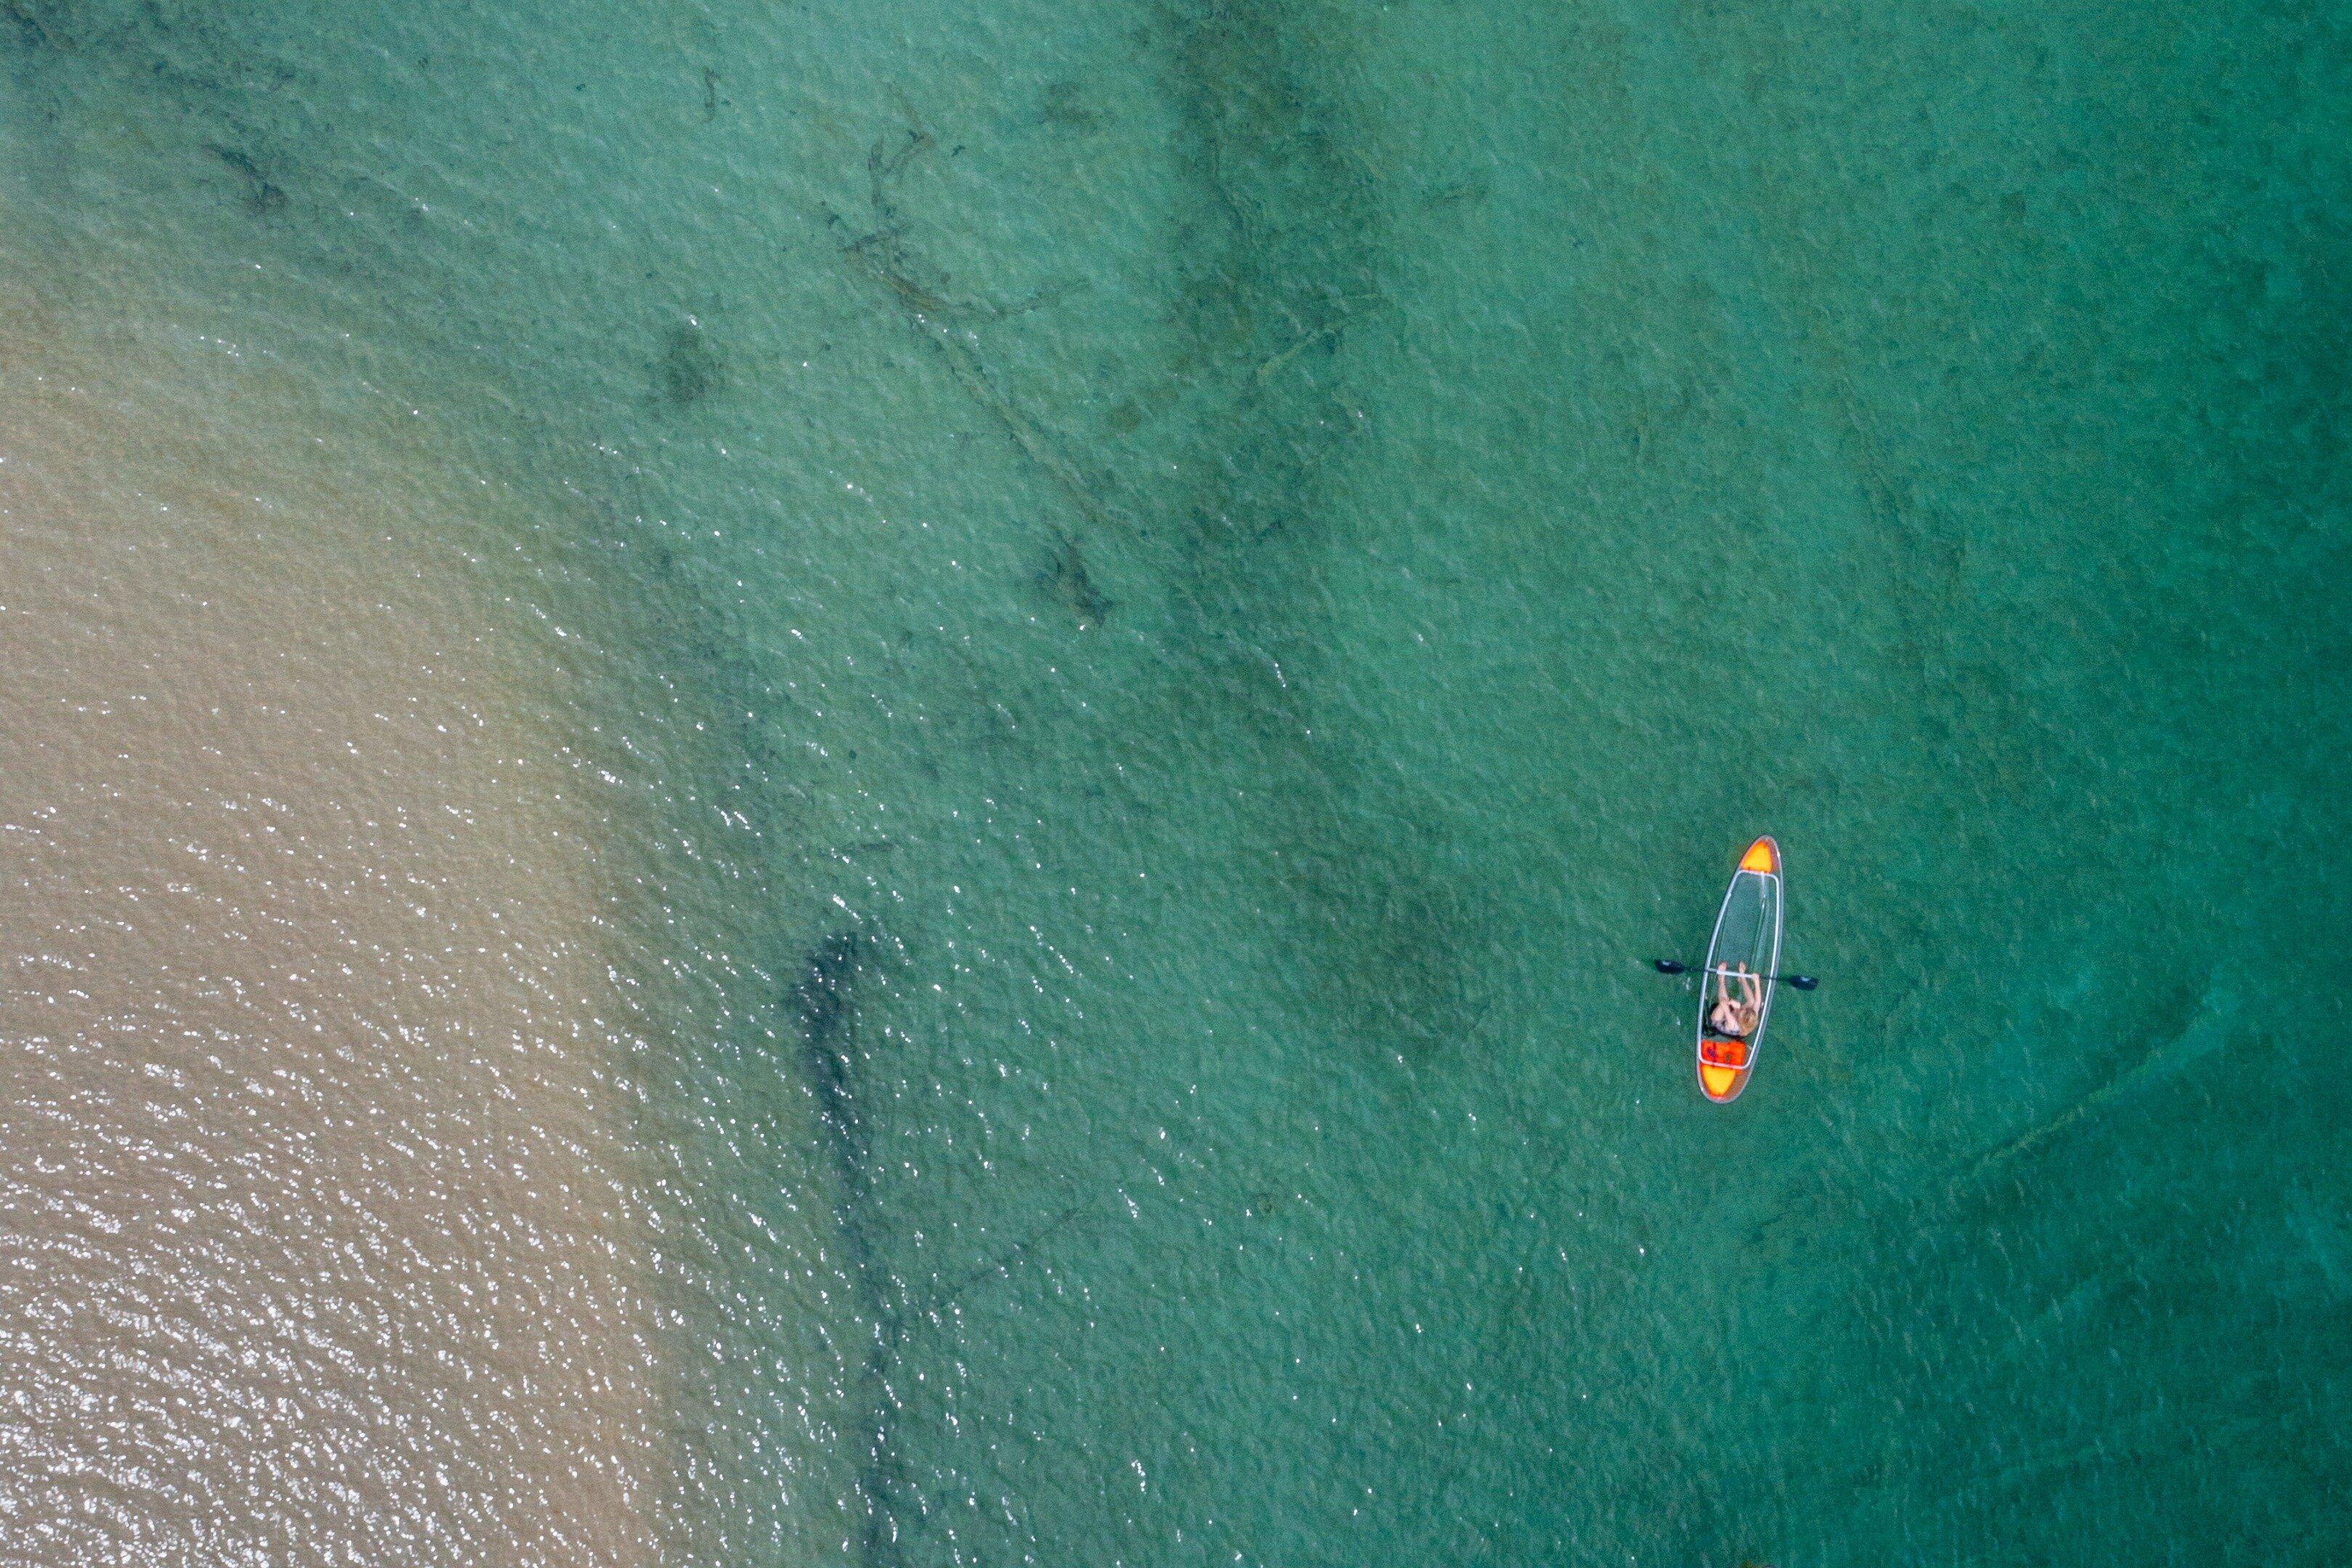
(1676, 967)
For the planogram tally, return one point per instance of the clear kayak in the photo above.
(1746, 937)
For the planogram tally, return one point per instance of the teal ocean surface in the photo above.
(1161, 606)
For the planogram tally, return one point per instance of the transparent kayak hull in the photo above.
(1747, 932)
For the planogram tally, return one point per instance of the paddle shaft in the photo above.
(1676, 967)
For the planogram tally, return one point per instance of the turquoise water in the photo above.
(1185, 593)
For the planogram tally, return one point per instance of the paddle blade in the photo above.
(1667, 966)
(1803, 982)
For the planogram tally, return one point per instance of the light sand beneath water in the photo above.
(321, 1238)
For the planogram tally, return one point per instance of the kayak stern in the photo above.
(1723, 1069)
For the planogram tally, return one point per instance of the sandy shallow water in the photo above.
(321, 1227)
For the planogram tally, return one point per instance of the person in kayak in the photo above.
(1735, 1017)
